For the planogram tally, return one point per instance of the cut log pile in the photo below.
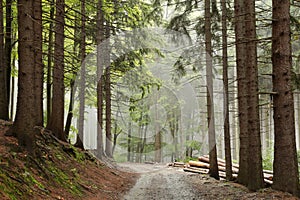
(202, 167)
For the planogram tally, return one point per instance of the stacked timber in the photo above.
(202, 167)
(177, 164)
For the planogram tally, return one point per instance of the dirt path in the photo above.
(159, 182)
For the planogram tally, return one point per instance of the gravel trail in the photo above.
(160, 182)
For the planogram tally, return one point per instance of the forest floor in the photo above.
(66, 173)
(60, 172)
(162, 182)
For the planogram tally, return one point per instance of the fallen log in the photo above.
(223, 169)
(176, 164)
(268, 181)
(198, 164)
(268, 171)
(198, 170)
(201, 167)
(222, 162)
(268, 177)
(205, 171)
(221, 166)
(203, 159)
(235, 167)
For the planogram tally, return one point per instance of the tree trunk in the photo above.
(3, 86)
(242, 89)
(226, 96)
(144, 140)
(298, 116)
(13, 84)
(116, 133)
(286, 177)
(171, 119)
(56, 124)
(49, 62)
(108, 146)
(38, 64)
(158, 135)
(139, 138)
(129, 142)
(213, 171)
(70, 111)
(157, 145)
(8, 49)
(26, 115)
(255, 174)
(80, 135)
(100, 63)
(176, 126)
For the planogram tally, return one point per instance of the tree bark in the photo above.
(38, 64)
(80, 135)
(157, 145)
(12, 100)
(129, 142)
(107, 85)
(255, 174)
(158, 135)
(49, 62)
(28, 94)
(56, 124)
(70, 111)
(242, 89)
(226, 96)
(100, 63)
(213, 171)
(286, 177)
(3, 82)
(8, 49)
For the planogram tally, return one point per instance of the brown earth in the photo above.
(61, 172)
(64, 172)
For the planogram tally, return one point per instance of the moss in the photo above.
(79, 156)
(60, 157)
(65, 181)
(9, 187)
(32, 181)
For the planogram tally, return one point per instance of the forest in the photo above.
(157, 81)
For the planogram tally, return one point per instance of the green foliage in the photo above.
(298, 157)
(268, 159)
(194, 144)
(296, 80)
(187, 159)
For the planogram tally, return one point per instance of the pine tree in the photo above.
(56, 122)
(213, 171)
(254, 158)
(239, 10)
(226, 95)
(100, 64)
(3, 86)
(29, 93)
(286, 177)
